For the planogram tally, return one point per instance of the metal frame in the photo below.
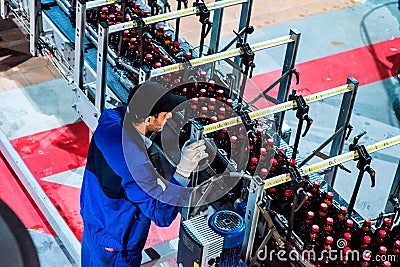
(79, 43)
(3, 9)
(36, 27)
(344, 116)
(394, 190)
(45, 205)
(100, 99)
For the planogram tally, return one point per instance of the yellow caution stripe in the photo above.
(175, 14)
(93, 4)
(333, 161)
(277, 108)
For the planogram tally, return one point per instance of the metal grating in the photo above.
(227, 221)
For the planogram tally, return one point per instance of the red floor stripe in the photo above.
(13, 194)
(367, 64)
(54, 151)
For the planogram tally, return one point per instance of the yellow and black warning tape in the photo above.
(223, 55)
(175, 14)
(283, 178)
(277, 108)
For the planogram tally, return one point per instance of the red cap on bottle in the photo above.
(310, 215)
(133, 40)
(292, 162)
(323, 207)
(273, 162)
(164, 57)
(316, 184)
(329, 195)
(145, 12)
(367, 256)
(349, 223)
(126, 32)
(203, 74)
(137, 4)
(329, 240)
(315, 228)
(160, 27)
(215, 119)
(149, 56)
(382, 250)
(254, 160)
(270, 142)
(177, 44)
(263, 151)
(168, 35)
(382, 233)
(347, 236)
(188, 55)
(346, 250)
(184, 90)
(224, 130)
(212, 100)
(211, 82)
(259, 131)
(203, 92)
(205, 110)
(329, 220)
(387, 221)
(386, 264)
(233, 139)
(177, 81)
(367, 239)
(288, 193)
(343, 210)
(111, 16)
(195, 100)
(156, 49)
(397, 244)
(221, 110)
(229, 102)
(367, 221)
(158, 65)
(104, 9)
(264, 172)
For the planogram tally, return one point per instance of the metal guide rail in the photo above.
(277, 108)
(223, 55)
(283, 178)
(175, 14)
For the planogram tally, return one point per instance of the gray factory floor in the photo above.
(338, 39)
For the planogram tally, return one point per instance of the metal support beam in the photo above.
(394, 191)
(43, 202)
(101, 67)
(35, 19)
(3, 9)
(216, 30)
(289, 62)
(251, 215)
(346, 109)
(79, 43)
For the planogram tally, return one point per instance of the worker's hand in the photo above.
(190, 157)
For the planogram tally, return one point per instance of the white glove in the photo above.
(190, 157)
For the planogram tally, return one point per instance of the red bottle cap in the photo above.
(188, 55)
(205, 110)
(149, 56)
(145, 12)
(316, 184)
(281, 151)
(387, 221)
(118, 9)
(137, 4)
(367, 256)
(349, 223)
(347, 236)
(329, 240)
(329, 195)
(315, 228)
(346, 250)
(254, 160)
(273, 162)
(203, 92)
(288, 193)
(397, 244)
(259, 131)
(264, 172)
(164, 57)
(211, 82)
(133, 40)
(233, 138)
(177, 44)
(292, 162)
(212, 100)
(310, 215)
(270, 142)
(229, 102)
(203, 74)
(367, 239)
(367, 221)
(160, 27)
(156, 49)
(126, 32)
(221, 110)
(323, 207)
(158, 65)
(224, 130)
(184, 91)
(220, 92)
(329, 221)
(168, 35)
(111, 16)
(177, 81)
(213, 119)
(263, 151)
(386, 264)
(382, 250)
(343, 210)
(382, 233)
(104, 9)
(195, 100)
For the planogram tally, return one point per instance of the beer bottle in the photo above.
(104, 14)
(125, 42)
(312, 243)
(168, 42)
(305, 225)
(263, 172)
(380, 240)
(286, 203)
(234, 145)
(322, 213)
(365, 243)
(263, 157)
(212, 105)
(324, 259)
(176, 49)
(221, 114)
(160, 34)
(157, 55)
(132, 49)
(252, 165)
(386, 264)
(344, 260)
(220, 95)
(137, 10)
(204, 116)
(327, 229)
(315, 194)
(396, 248)
(223, 139)
(148, 61)
(349, 226)
(211, 89)
(194, 111)
(328, 200)
(165, 61)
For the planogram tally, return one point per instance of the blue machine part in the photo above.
(231, 227)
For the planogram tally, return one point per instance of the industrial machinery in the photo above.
(255, 186)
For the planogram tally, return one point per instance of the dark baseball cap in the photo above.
(150, 98)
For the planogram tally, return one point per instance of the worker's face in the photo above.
(157, 124)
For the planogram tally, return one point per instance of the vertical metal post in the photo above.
(101, 67)
(79, 42)
(251, 216)
(35, 21)
(394, 191)
(3, 9)
(290, 59)
(245, 16)
(346, 109)
(216, 30)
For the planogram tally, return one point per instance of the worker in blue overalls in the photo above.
(121, 190)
